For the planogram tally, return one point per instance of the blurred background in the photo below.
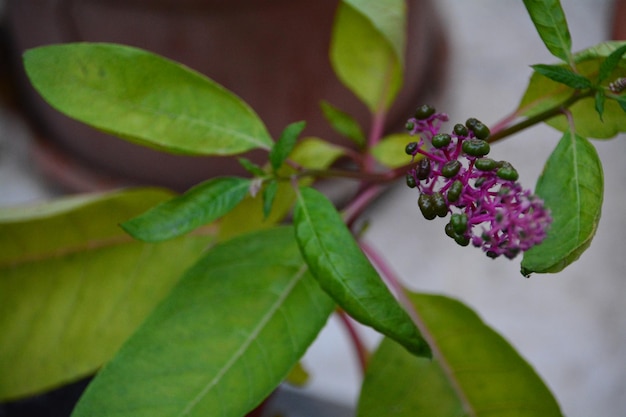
(571, 326)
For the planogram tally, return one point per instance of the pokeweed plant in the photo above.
(203, 303)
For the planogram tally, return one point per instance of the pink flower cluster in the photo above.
(492, 210)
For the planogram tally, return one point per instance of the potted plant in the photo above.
(203, 303)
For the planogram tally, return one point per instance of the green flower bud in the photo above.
(422, 170)
(476, 147)
(441, 140)
(451, 168)
(459, 223)
(471, 122)
(410, 181)
(427, 206)
(439, 202)
(485, 164)
(455, 190)
(409, 126)
(411, 148)
(507, 172)
(450, 230)
(480, 130)
(460, 130)
(462, 240)
(424, 112)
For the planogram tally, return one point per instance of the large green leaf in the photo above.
(201, 205)
(144, 98)
(543, 93)
(551, 24)
(367, 49)
(74, 286)
(572, 187)
(224, 338)
(475, 372)
(346, 274)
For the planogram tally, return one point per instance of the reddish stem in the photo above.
(358, 345)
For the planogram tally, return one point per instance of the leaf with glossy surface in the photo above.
(346, 274)
(572, 187)
(225, 337)
(200, 205)
(144, 98)
(285, 144)
(74, 286)
(475, 372)
(373, 73)
(543, 93)
(343, 123)
(551, 24)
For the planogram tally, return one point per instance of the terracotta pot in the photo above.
(272, 53)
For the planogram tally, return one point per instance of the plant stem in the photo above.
(501, 133)
(358, 345)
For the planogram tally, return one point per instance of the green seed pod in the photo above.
(424, 112)
(422, 170)
(451, 168)
(411, 148)
(427, 207)
(455, 190)
(507, 172)
(460, 130)
(479, 182)
(410, 181)
(441, 140)
(450, 230)
(485, 164)
(481, 131)
(476, 147)
(440, 205)
(462, 240)
(459, 223)
(409, 126)
(471, 122)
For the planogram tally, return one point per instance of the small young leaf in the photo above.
(144, 98)
(572, 187)
(390, 150)
(543, 93)
(225, 337)
(344, 272)
(610, 63)
(476, 374)
(343, 123)
(251, 167)
(551, 24)
(621, 100)
(315, 153)
(200, 205)
(285, 144)
(269, 194)
(600, 99)
(374, 74)
(563, 75)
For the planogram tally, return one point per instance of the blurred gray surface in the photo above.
(572, 326)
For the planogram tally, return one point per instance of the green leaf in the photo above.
(225, 337)
(144, 98)
(390, 150)
(285, 144)
(269, 194)
(621, 100)
(315, 153)
(344, 272)
(200, 205)
(343, 123)
(374, 72)
(572, 187)
(551, 24)
(478, 373)
(543, 93)
(611, 62)
(600, 100)
(251, 167)
(562, 75)
(74, 286)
